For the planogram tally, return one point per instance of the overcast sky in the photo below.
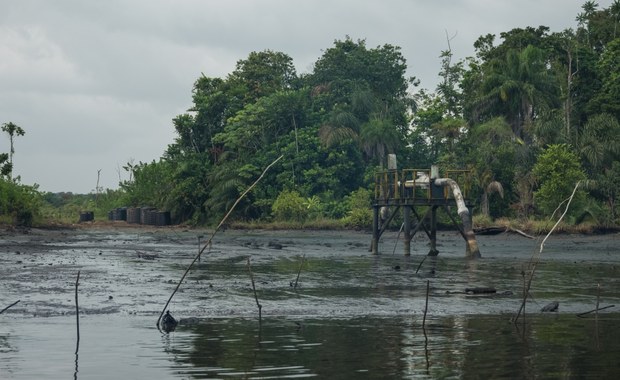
(95, 84)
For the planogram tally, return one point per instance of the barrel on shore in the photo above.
(148, 215)
(87, 216)
(162, 218)
(133, 215)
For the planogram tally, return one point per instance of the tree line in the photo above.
(533, 112)
(530, 115)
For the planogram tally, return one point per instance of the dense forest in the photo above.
(533, 113)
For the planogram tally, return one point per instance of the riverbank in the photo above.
(530, 226)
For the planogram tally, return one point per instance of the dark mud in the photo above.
(128, 274)
(134, 272)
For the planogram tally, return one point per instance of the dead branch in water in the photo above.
(77, 324)
(421, 262)
(208, 243)
(580, 315)
(535, 260)
(301, 264)
(260, 307)
(77, 313)
(10, 306)
(515, 230)
(428, 285)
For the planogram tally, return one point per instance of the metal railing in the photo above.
(414, 184)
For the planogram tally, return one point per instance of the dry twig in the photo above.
(10, 306)
(428, 285)
(535, 260)
(208, 243)
(301, 264)
(260, 307)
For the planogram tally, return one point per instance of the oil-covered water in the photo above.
(350, 315)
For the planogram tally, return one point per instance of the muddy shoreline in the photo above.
(134, 270)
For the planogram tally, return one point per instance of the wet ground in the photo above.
(351, 315)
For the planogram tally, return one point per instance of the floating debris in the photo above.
(551, 307)
(168, 323)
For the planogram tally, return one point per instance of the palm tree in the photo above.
(13, 130)
(518, 87)
(341, 126)
(366, 123)
(598, 142)
(379, 137)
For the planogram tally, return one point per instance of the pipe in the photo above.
(472, 250)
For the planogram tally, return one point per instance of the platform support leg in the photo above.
(407, 230)
(433, 251)
(374, 245)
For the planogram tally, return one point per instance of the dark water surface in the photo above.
(352, 316)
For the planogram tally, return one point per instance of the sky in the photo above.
(96, 84)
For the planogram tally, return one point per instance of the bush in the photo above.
(359, 204)
(359, 218)
(21, 203)
(557, 170)
(290, 206)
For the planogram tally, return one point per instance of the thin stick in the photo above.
(525, 290)
(534, 263)
(260, 307)
(428, 284)
(598, 298)
(299, 271)
(580, 315)
(10, 306)
(199, 236)
(397, 237)
(421, 262)
(77, 313)
(208, 243)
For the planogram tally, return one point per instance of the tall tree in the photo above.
(12, 130)
(519, 86)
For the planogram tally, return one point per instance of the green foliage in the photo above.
(557, 171)
(359, 213)
(20, 204)
(290, 206)
(527, 91)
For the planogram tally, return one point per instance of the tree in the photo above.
(12, 130)
(263, 73)
(557, 171)
(519, 86)
(606, 100)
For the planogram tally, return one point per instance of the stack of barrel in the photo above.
(87, 216)
(141, 215)
(118, 214)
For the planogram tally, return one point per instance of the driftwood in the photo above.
(500, 230)
(10, 306)
(480, 290)
(580, 315)
(208, 243)
(521, 233)
(490, 230)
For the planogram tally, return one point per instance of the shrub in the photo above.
(21, 203)
(290, 206)
(557, 170)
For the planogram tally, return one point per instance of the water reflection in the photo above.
(353, 315)
(475, 346)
